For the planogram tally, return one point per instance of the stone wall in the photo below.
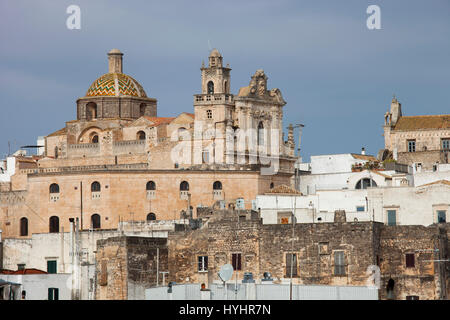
(128, 265)
(265, 248)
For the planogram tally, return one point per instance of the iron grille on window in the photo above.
(339, 263)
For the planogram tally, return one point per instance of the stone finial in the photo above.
(115, 61)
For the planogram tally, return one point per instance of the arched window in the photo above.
(181, 133)
(151, 216)
(365, 183)
(217, 185)
(95, 187)
(140, 135)
(91, 111)
(225, 86)
(184, 186)
(54, 224)
(210, 87)
(151, 185)
(24, 227)
(54, 188)
(94, 138)
(208, 114)
(142, 109)
(260, 134)
(95, 221)
(271, 185)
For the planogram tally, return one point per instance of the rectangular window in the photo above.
(445, 144)
(441, 216)
(392, 217)
(236, 261)
(291, 264)
(339, 263)
(202, 263)
(411, 145)
(410, 263)
(53, 294)
(360, 209)
(51, 266)
(21, 266)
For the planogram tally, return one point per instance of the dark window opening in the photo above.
(236, 261)
(365, 183)
(151, 185)
(51, 266)
(410, 263)
(217, 185)
(184, 186)
(54, 188)
(95, 221)
(203, 263)
(95, 187)
(54, 224)
(94, 138)
(24, 227)
(210, 87)
(151, 216)
(140, 135)
(53, 294)
(291, 263)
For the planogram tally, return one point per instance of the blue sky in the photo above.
(337, 76)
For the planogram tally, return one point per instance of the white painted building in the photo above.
(407, 205)
(348, 172)
(56, 250)
(42, 286)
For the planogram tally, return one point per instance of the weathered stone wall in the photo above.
(264, 248)
(421, 280)
(111, 269)
(127, 265)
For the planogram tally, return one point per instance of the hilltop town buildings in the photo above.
(121, 200)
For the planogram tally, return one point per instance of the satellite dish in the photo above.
(226, 272)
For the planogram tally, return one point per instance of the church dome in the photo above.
(116, 85)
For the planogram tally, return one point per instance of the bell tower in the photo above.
(215, 77)
(215, 102)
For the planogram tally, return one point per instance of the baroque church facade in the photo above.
(119, 161)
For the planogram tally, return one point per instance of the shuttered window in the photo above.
(53, 294)
(392, 217)
(51, 266)
(291, 261)
(236, 261)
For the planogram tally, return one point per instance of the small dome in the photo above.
(215, 53)
(116, 84)
(115, 51)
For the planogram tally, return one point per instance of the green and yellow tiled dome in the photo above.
(116, 85)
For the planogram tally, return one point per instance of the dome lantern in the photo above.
(115, 61)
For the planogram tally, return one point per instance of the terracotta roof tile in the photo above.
(159, 120)
(423, 122)
(60, 132)
(363, 157)
(24, 271)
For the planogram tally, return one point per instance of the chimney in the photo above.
(363, 151)
(115, 61)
